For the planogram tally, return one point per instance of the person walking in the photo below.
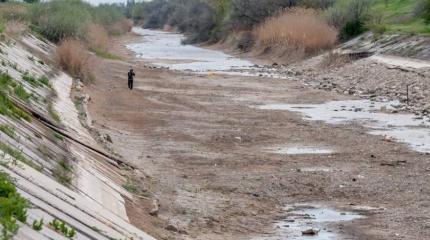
(131, 75)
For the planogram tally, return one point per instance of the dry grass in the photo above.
(298, 28)
(121, 27)
(73, 57)
(97, 37)
(15, 28)
(13, 11)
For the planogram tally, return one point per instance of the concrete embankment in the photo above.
(53, 159)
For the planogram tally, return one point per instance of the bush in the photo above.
(62, 227)
(298, 29)
(106, 14)
(193, 17)
(21, 93)
(13, 11)
(60, 19)
(352, 28)
(247, 13)
(63, 172)
(8, 130)
(97, 37)
(121, 27)
(72, 56)
(12, 207)
(349, 17)
(7, 107)
(422, 9)
(37, 224)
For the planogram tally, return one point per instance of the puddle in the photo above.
(303, 217)
(300, 150)
(405, 128)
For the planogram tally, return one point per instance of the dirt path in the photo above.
(203, 148)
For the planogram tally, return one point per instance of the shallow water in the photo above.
(159, 46)
(404, 128)
(303, 217)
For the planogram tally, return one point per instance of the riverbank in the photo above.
(214, 161)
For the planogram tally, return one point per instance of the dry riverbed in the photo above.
(223, 166)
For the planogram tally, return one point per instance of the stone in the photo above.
(155, 209)
(310, 231)
(172, 228)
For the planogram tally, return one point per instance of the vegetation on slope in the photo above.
(212, 20)
(77, 27)
(13, 208)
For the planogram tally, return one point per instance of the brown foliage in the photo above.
(296, 29)
(121, 27)
(97, 37)
(73, 57)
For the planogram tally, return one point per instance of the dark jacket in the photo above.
(131, 75)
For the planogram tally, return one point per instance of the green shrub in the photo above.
(43, 80)
(21, 93)
(106, 14)
(8, 130)
(30, 79)
(350, 17)
(59, 19)
(8, 108)
(53, 113)
(17, 155)
(37, 224)
(62, 172)
(352, 28)
(36, 82)
(12, 207)
(62, 227)
(425, 10)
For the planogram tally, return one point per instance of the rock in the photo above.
(388, 139)
(155, 209)
(108, 138)
(310, 231)
(172, 228)
(79, 85)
